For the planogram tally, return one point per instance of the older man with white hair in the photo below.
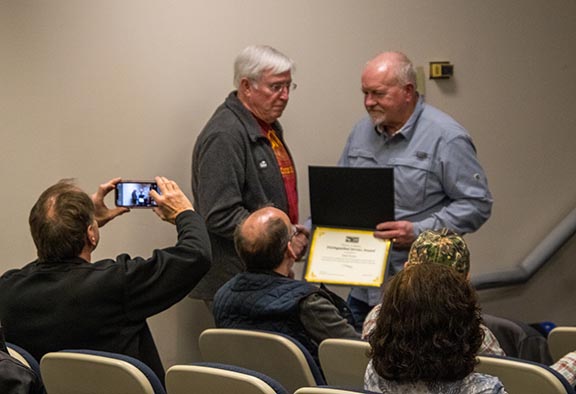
(241, 162)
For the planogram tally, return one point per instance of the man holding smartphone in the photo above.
(63, 300)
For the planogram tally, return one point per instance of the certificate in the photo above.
(347, 257)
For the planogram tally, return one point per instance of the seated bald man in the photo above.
(266, 297)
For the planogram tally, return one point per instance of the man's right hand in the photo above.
(401, 233)
(300, 240)
(102, 213)
(171, 202)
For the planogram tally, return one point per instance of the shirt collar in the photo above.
(407, 130)
(266, 272)
(64, 261)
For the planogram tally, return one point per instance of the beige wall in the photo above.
(97, 89)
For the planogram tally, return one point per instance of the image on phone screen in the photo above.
(135, 194)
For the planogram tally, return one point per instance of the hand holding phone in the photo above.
(102, 213)
(171, 202)
(135, 194)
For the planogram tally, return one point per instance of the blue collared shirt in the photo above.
(438, 180)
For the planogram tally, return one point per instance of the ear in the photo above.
(92, 235)
(290, 251)
(245, 86)
(410, 90)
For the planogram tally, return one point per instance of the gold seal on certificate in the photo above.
(347, 257)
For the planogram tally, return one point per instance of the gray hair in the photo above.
(404, 70)
(255, 59)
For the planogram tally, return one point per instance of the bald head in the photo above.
(395, 67)
(262, 239)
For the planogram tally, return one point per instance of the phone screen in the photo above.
(135, 194)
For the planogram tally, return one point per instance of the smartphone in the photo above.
(135, 194)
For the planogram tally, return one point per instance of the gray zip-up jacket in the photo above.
(234, 172)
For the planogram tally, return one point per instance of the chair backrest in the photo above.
(24, 357)
(219, 378)
(521, 376)
(561, 340)
(330, 390)
(344, 361)
(518, 339)
(97, 372)
(273, 354)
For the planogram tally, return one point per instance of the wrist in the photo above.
(177, 214)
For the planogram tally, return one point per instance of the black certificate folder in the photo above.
(351, 197)
(346, 205)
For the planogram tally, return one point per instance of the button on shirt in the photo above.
(438, 180)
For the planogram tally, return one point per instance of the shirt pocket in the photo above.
(411, 181)
(358, 157)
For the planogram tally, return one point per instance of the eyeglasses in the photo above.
(295, 232)
(276, 88)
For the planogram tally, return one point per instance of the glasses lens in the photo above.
(279, 87)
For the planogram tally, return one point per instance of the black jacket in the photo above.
(73, 304)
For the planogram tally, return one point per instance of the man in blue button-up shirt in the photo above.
(437, 178)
